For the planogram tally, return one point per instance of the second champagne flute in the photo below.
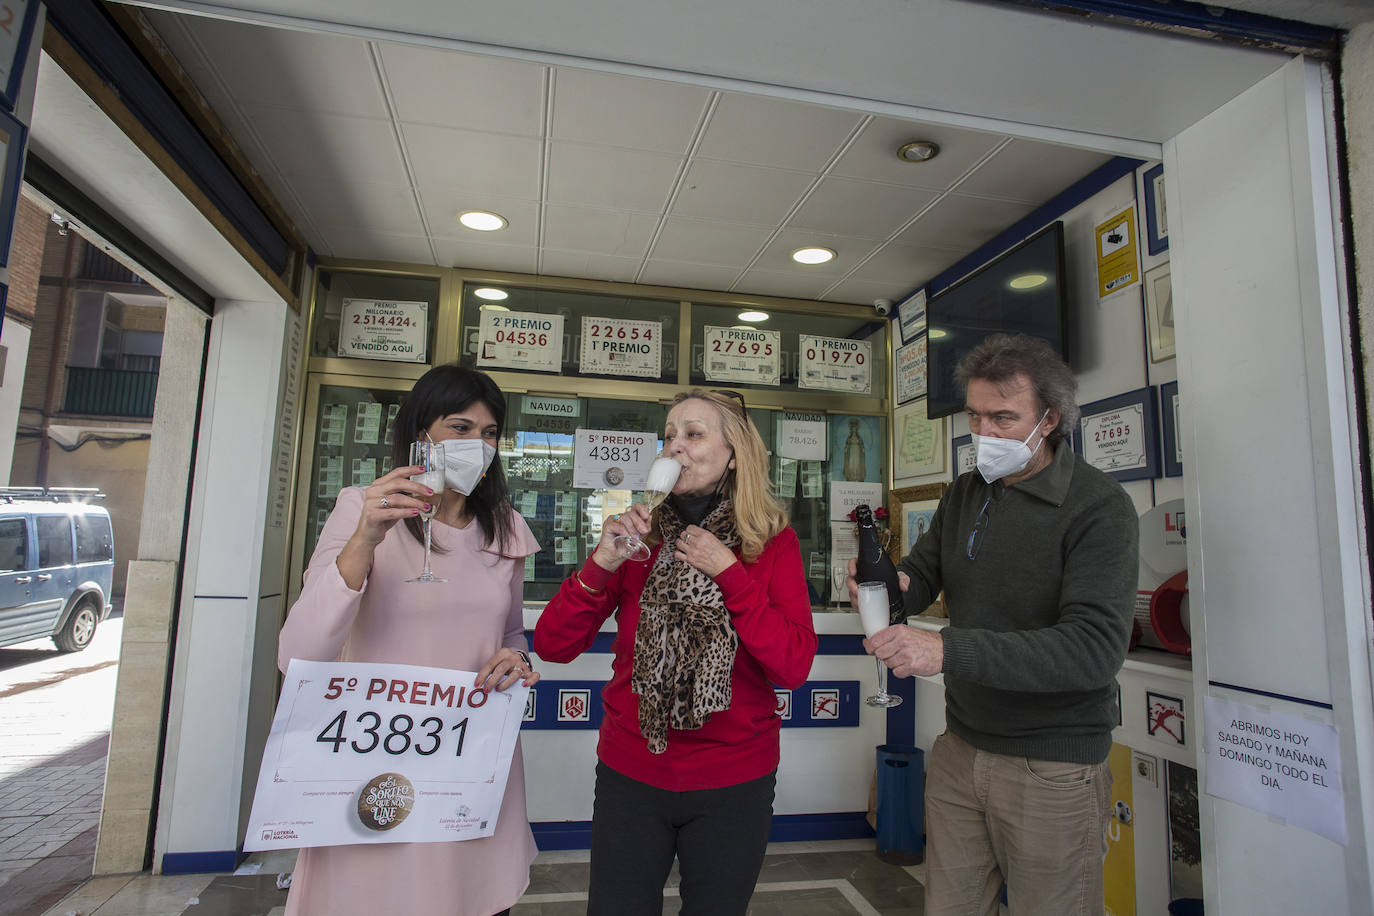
(662, 477)
(873, 613)
(430, 457)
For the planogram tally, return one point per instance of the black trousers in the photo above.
(718, 836)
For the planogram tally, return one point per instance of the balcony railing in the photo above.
(110, 392)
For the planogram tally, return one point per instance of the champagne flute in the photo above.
(839, 575)
(430, 457)
(873, 613)
(662, 476)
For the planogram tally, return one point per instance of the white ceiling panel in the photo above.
(624, 111)
(360, 205)
(442, 209)
(700, 242)
(322, 145)
(308, 71)
(865, 291)
(369, 244)
(963, 223)
(587, 230)
(782, 283)
(739, 193)
(770, 132)
(603, 176)
(861, 209)
(1030, 171)
(486, 256)
(689, 276)
(874, 155)
(463, 90)
(895, 262)
(580, 264)
(443, 158)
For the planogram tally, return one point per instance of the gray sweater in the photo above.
(1040, 619)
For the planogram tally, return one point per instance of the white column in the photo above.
(208, 735)
(1276, 552)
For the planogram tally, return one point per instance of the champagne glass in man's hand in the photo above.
(873, 613)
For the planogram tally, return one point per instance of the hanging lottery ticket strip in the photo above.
(372, 753)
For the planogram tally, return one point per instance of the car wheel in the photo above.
(77, 632)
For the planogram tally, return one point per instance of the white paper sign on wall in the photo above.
(802, 436)
(608, 459)
(835, 364)
(520, 340)
(617, 346)
(384, 329)
(744, 355)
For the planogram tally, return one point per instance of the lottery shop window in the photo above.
(658, 318)
(730, 368)
(333, 287)
(537, 454)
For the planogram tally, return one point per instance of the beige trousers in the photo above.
(1037, 825)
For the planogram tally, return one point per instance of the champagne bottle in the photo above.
(874, 565)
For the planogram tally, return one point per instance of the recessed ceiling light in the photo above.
(491, 294)
(753, 316)
(494, 307)
(1028, 281)
(482, 221)
(936, 333)
(918, 151)
(812, 255)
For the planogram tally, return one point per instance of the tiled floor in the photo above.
(840, 878)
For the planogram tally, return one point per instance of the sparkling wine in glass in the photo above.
(873, 613)
(662, 476)
(429, 456)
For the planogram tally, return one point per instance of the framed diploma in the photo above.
(17, 18)
(1156, 221)
(1169, 423)
(1119, 435)
(12, 139)
(1159, 313)
(918, 443)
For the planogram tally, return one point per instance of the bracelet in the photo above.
(524, 657)
(585, 586)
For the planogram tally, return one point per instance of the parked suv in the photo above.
(56, 565)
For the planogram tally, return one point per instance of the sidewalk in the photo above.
(55, 714)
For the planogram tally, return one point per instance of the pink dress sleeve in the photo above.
(521, 544)
(319, 622)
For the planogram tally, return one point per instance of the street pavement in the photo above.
(55, 714)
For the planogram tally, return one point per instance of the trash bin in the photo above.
(901, 798)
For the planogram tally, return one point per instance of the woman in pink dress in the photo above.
(356, 606)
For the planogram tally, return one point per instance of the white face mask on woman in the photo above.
(466, 462)
(998, 458)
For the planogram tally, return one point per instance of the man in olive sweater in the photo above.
(1036, 554)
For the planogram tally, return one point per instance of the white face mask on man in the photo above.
(465, 463)
(998, 458)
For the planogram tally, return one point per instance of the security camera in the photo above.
(883, 307)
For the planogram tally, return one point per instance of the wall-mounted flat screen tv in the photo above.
(1020, 292)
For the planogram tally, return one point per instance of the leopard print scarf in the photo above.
(684, 643)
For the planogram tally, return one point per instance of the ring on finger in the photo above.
(385, 504)
(687, 537)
